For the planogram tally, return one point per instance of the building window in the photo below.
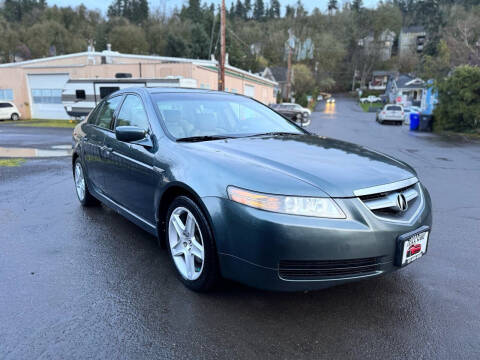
(80, 94)
(6, 94)
(47, 96)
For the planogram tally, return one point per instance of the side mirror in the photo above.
(129, 133)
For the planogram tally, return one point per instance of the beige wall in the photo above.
(15, 77)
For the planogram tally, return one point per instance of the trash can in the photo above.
(426, 123)
(414, 121)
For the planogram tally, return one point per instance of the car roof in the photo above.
(177, 90)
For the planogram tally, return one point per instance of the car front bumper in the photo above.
(259, 248)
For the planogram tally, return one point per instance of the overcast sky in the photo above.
(170, 4)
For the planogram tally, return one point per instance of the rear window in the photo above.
(5, 105)
(394, 108)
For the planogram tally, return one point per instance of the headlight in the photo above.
(294, 205)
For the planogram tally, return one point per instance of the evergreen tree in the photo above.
(289, 11)
(136, 11)
(332, 5)
(258, 10)
(248, 8)
(192, 11)
(357, 5)
(275, 8)
(240, 10)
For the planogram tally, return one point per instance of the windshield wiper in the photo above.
(203, 138)
(274, 133)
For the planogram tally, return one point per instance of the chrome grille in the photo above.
(383, 201)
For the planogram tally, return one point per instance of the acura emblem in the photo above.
(402, 203)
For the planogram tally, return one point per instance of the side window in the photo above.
(132, 113)
(80, 94)
(93, 114)
(105, 115)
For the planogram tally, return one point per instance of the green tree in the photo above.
(275, 8)
(248, 8)
(8, 42)
(258, 10)
(357, 5)
(50, 38)
(459, 101)
(332, 5)
(16, 10)
(240, 11)
(136, 11)
(192, 11)
(289, 11)
(129, 39)
(438, 66)
(304, 81)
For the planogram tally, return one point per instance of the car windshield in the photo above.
(208, 115)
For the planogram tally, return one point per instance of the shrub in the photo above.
(459, 100)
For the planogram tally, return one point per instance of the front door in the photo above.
(131, 180)
(97, 126)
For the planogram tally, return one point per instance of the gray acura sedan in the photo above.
(234, 190)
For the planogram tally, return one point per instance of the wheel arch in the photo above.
(174, 190)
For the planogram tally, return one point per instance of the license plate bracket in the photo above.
(411, 246)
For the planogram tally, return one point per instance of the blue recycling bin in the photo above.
(414, 121)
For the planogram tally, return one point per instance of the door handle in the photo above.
(107, 150)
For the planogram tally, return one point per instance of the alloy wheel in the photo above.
(186, 243)
(79, 181)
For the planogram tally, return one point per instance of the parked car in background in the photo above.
(391, 113)
(299, 107)
(370, 99)
(408, 111)
(232, 189)
(8, 111)
(293, 112)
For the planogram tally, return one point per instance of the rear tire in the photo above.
(81, 187)
(191, 246)
(14, 117)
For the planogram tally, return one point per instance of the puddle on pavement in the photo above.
(18, 152)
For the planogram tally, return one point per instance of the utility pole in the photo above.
(289, 72)
(221, 75)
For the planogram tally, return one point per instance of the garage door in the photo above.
(46, 92)
(249, 90)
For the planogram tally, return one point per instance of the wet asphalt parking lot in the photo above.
(86, 283)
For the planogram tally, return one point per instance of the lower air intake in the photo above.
(322, 269)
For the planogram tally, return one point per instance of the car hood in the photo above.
(336, 167)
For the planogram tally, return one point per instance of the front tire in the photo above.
(81, 187)
(191, 245)
(14, 117)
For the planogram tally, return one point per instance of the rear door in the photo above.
(131, 180)
(98, 124)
